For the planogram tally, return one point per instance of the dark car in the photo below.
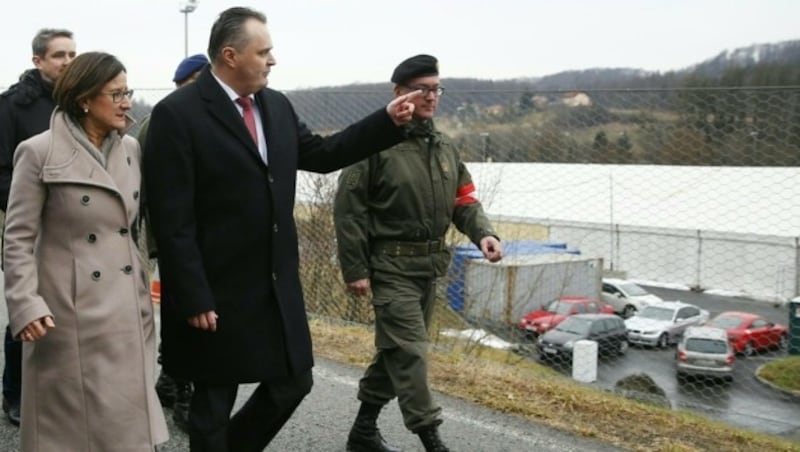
(608, 330)
(536, 323)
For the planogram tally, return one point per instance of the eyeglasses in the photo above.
(438, 90)
(116, 96)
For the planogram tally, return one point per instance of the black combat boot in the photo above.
(430, 439)
(165, 388)
(183, 399)
(365, 436)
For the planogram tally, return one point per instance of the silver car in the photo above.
(704, 351)
(663, 323)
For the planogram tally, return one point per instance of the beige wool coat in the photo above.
(88, 385)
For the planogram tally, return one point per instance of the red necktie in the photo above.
(249, 117)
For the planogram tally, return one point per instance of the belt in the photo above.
(397, 248)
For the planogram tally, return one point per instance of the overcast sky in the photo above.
(336, 42)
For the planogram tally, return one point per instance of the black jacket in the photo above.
(25, 110)
(224, 226)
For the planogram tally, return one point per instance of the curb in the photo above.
(788, 392)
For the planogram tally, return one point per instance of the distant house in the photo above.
(576, 99)
(495, 110)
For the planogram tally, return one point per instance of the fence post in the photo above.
(796, 266)
(699, 264)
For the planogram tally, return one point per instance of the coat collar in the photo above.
(68, 162)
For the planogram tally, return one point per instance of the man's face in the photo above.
(253, 63)
(425, 105)
(60, 51)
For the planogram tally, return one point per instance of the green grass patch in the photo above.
(783, 373)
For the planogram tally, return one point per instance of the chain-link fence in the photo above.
(694, 194)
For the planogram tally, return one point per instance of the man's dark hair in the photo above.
(43, 38)
(83, 79)
(228, 30)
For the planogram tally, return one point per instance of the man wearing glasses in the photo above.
(391, 213)
(25, 110)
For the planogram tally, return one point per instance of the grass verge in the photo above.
(783, 373)
(502, 381)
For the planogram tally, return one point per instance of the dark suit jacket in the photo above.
(224, 227)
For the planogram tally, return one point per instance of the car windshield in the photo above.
(700, 345)
(656, 313)
(575, 326)
(633, 290)
(558, 307)
(726, 322)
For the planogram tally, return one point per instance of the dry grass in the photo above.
(504, 382)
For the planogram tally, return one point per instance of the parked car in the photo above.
(749, 333)
(663, 323)
(608, 330)
(706, 352)
(554, 312)
(626, 296)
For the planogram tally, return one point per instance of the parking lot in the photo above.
(744, 403)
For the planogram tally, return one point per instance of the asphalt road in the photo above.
(322, 421)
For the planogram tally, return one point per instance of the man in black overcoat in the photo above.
(220, 168)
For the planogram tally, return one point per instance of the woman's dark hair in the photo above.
(228, 30)
(83, 79)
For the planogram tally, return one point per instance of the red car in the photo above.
(538, 322)
(749, 333)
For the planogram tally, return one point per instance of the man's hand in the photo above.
(206, 321)
(37, 329)
(401, 109)
(491, 248)
(360, 287)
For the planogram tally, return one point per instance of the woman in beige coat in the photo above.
(76, 285)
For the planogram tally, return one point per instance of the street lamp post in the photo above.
(186, 8)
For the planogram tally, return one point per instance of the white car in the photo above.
(627, 297)
(661, 324)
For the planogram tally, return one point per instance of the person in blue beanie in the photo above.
(172, 392)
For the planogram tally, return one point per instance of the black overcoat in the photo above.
(223, 223)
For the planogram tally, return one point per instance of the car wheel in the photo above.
(663, 341)
(623, 347)
(628, 311)
(783, 343)
(749, 350)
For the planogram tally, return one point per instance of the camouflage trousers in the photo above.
(403, 309)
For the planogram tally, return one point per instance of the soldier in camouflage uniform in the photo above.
(391, 214)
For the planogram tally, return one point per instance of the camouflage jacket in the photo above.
(411, 192)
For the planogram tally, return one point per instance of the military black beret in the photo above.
(416, 66)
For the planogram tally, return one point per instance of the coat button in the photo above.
(96, 275)
(91, 238)
(274, 276)
(275, 227)
(270, 179)
(127, 269)
(123, 231)
(129, 160)
(136, 194)
(85, 200)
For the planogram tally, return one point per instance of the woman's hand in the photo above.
(37, 329)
